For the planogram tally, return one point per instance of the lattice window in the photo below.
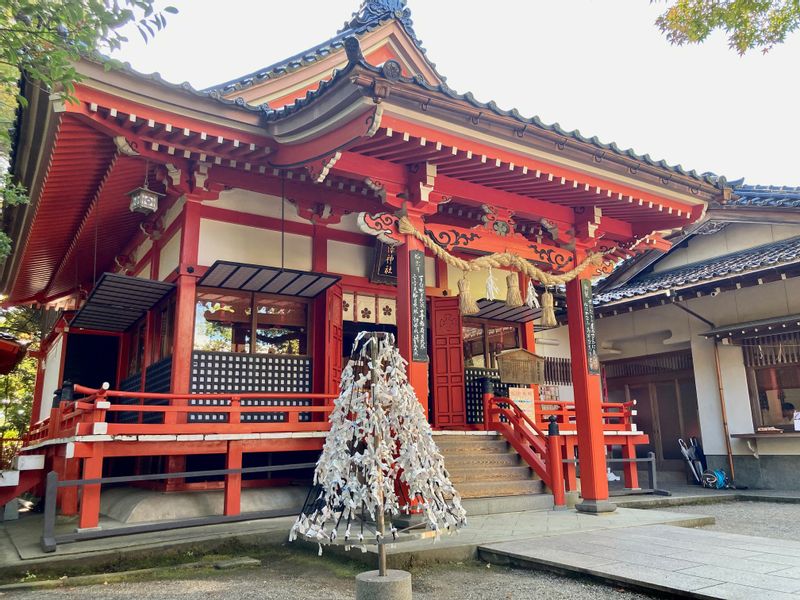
(473, 378)
(224, 373)
(772, 350)
(650, 365)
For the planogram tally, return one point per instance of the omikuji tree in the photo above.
(379, 444)
(749, 24)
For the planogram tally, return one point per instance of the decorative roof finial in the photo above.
(373, 12)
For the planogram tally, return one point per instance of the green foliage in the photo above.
(749, 24)
(16, 388)
(42, 39)
(11, 194)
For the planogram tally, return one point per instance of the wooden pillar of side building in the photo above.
(411, 316)
(233, 483)
(588, 398)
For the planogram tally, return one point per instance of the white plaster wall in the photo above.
(477, 282)
(349, 259)
(174, 212)
(170, 256)
(430, 271)
(52, 369)
(240, 243)
(348, 223)
(140, 250)
(255, 204)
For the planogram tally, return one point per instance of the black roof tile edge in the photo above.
(640, 281)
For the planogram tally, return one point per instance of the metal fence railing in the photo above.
(50, 540)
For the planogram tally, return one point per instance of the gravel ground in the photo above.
(765, 519)
(298, 579)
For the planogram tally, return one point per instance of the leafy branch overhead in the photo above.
(41, 40)
(749, 24)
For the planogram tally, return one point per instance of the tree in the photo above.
(749, 24)
(41, 40)
(379, 446)
(16, 388)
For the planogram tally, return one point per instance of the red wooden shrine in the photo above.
(276, 188)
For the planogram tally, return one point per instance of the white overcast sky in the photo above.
(600, 66)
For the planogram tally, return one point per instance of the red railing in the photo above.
(9, 447)
(80, 416)
(541, 452)
(617, 416)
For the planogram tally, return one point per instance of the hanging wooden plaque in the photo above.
(419, 329)
(384, 264)
(592, 359)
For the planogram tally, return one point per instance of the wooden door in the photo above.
(447, 364)
(334, 338)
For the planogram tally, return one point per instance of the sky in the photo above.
(599, 66)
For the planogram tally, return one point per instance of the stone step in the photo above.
(478, 446)
(501, 459)
(493, 489)
(507, 504)
(492, 474)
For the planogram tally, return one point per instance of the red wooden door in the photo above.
(333, 340)
(447, 364)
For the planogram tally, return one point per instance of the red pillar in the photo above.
(417, 371)
(69, 501)
(90, 495)
(233, 483)
(588, 408)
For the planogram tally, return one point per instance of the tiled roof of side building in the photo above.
(765, 196)
(728, 265)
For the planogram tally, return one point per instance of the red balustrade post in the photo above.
(555, 466)
(630, 470)
(233, 483)
(488, 397)
(90, 495)
(235, 414)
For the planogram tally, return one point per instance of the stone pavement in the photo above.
(679, 561)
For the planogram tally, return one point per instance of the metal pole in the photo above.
(379, 517)
(49, 530)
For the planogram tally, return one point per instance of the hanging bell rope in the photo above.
(500, 260)
(514, 294)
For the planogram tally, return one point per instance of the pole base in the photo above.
(595, 507)
(395, 585)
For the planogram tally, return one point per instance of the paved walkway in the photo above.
(679, 561)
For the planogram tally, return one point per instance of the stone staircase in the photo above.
(490, 476)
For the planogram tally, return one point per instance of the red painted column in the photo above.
(417, 371)
(588, 409)
(233, 483)
(69, 501)
(90, 495)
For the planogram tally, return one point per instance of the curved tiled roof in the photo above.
(371, 15)
(727, 265)
(765, 196)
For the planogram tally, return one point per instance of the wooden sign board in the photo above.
(525, 399)
(521, 366)
(592, 359)
(384, 264)
(419, 317)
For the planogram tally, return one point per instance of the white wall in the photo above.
(169, 257)
(241, 243)
(349, 259)
(52, 369)
(254, 203)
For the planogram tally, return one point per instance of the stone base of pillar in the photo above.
(395, 585)
(595, 507)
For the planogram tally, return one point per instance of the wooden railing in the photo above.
(541, 452)
(81, 416)
(617, 416)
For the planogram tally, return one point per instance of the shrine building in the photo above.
(212, 254)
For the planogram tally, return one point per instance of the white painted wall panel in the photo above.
(240, 243)
(52, 369)
(349, 259)
(253, 203)
(170, 256)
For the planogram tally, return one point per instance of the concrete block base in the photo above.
(395, 585)
(595, 507)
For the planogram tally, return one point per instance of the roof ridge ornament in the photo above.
(374, 11)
